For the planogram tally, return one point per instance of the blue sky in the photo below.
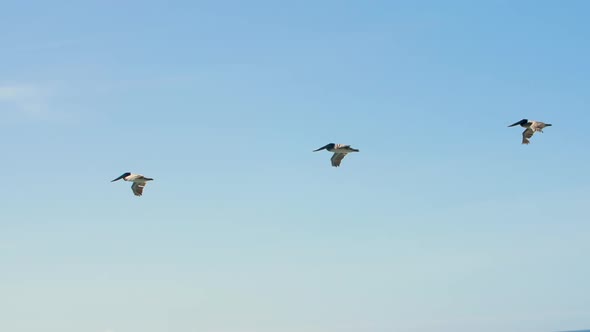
(443, 221)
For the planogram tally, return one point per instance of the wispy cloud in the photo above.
(29, 99)
(44, 46)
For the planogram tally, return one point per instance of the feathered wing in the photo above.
(538, 126)
(344, 148)
(526, 135)
(137, 188)
(133, 177)
(337, 158)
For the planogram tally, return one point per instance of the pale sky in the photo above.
(442, 222)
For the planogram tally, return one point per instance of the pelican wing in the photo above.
(538, 126)
(137, 188)
(526, 135)
(134, 177)
(337, 158)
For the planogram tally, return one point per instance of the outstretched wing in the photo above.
(526, 135)
(137, 188)
(337, 158)
(538, 126)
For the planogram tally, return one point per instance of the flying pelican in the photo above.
(340, 151)
(139, 182)
(531, 128)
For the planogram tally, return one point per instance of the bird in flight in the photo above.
(340, 151)
(139, 182)
(531, 128)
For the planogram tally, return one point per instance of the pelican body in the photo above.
(531, 128)
(340, 151)
(139, 182)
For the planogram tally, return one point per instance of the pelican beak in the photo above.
(119, 178)
(515, 124)
(323, 147)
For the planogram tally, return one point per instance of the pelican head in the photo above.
(121, 177)
(327, 146)
(519, 123)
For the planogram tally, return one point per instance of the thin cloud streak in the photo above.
(28, 99)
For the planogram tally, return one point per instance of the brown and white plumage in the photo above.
(139, 182)
(138, 188)
(340, 151)
(531, 127)
(337, 159)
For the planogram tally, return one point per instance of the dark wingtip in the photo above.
(324, 147)
(521, 122)
(120, 177)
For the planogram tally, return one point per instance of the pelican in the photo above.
(340, 151)
(531, 128)
(139, 182)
